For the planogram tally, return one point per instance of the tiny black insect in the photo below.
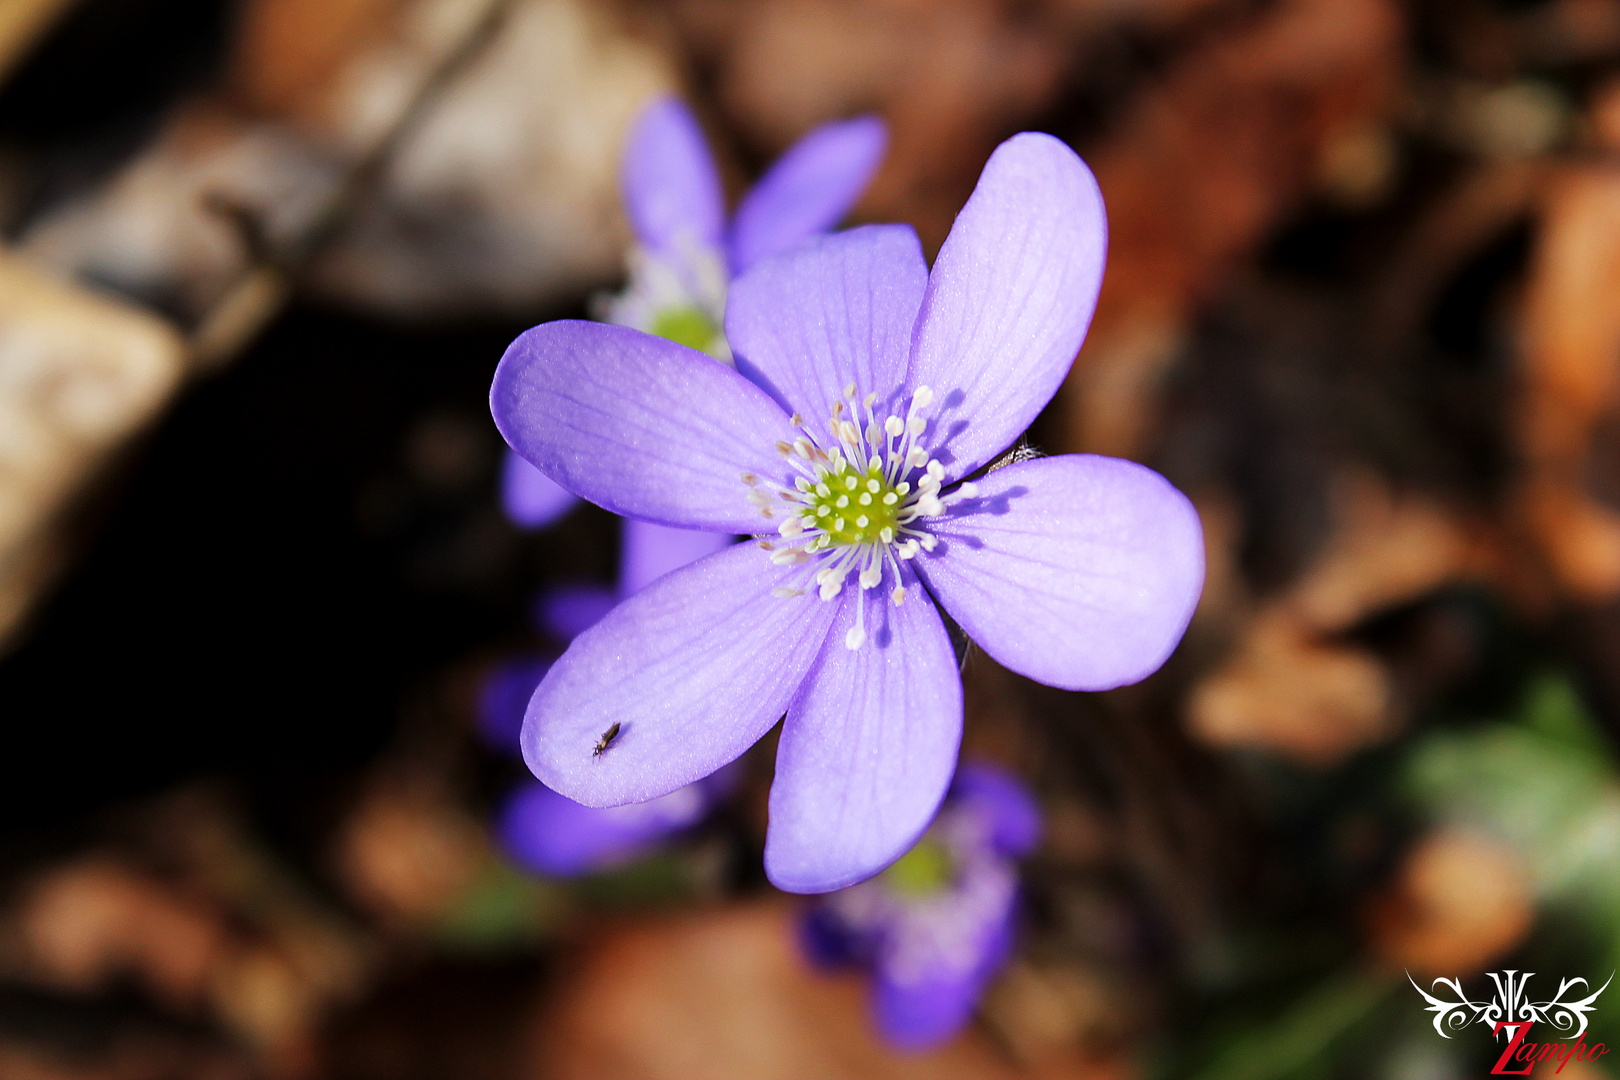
(606, 740)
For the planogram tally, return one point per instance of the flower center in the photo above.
(853, 505)
(858, 500)
(689, 326)
(926, 869)
(678, 294)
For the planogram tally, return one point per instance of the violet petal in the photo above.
(1009, 299)
(808, 190)
(868, 748)
(639, 425)
(671, 187)
(502, 699)
(1015, 820)
(693, 669)
(919, 1016)
(530, 497)
(837, 310)
(916, 1014)
(566, 611)
(1078, 571)
(647, 552)
(555, 836)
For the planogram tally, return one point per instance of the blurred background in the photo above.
(259, 260)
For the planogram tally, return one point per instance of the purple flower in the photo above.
(685, 255)
(938, 924)
(1078, 571)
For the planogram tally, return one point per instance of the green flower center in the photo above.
(851, 505)
(689, 326)
(922, 871)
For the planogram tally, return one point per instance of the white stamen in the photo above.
(855, 638)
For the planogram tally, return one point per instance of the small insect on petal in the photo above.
(606, 740)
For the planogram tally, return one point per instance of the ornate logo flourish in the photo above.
(1510, 1005)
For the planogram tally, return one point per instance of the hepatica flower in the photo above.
(867, 391)
(937, 925)
(686, 253)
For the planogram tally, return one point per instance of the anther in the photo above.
(855, 638)
(894, 426)
(849, 391)
(922, 397)
(871, 576)
(899, 595)
(750, 479)
(786, 594)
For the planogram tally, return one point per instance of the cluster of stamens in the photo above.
(857, 505)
